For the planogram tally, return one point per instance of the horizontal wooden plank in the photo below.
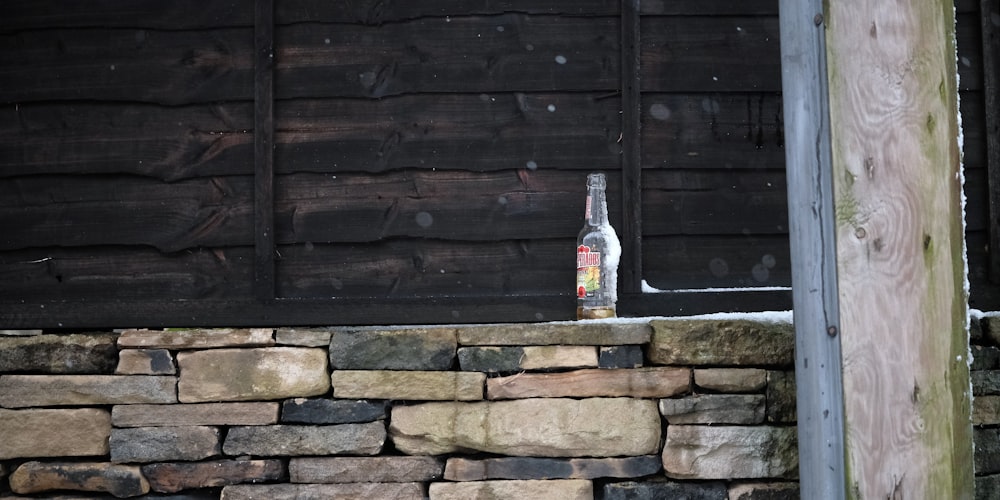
(168, 143)
(675, 262)
(477, 132)
(44, 211)
(423, 310)
(169, 67)
(124, 273)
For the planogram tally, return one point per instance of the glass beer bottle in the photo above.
(597, 256)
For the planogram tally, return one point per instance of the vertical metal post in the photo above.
(819, 389)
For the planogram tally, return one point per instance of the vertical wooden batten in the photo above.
(900, 255)
(264, 279)
(631, 269)
(819, 392)
(989, 15)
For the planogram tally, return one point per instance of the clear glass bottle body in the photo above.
(597, 254)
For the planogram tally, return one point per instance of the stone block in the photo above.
(118, 480)
(986, 453)
(194, 414)
(466, 469)
(54, 433)
(985, 357)
(781, 399)
(22, 391)
(661, 490)
(494, 359)
(654, 382)
(252, 374)
(764, 491)
(563, 489)
(740, 409)
(733, 380)
(991, 329)
(332, 411)
(987, 487)
(305, 440)
(164, 444)
(392, 348)
(201, 338)
(620, 356)
(351, 491)
(145, 362)
(20, 333)
(558, 333)
(722, 342)
(730, 452)
(364, 469)
(90, 353)
(178, 476)
(303, 337)
(408, 385)
(975, 329)
(985, 382)
(986, 410)
(595, 427)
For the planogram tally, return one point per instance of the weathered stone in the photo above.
(975, 329)
(392, 348)
(661, 490)
(563, 489)
(119, 480)
(986, 455)
(145, 362)
(764, 491)
(730, 379)
(987, 487)
(194, 414)
(714, 409)
(561, 333)
(164, 444)
(530, 427)
(721, 342)
(54, 433)
(465, 469)
(638, 383)
(986, 410)
(304, 440)
(493, 359)
(620, 356)
(178, 476)
(408, 385)
(252, 374)
(730, 452)
(197, 338)
(985, 357)
(991, 329)
(20, 333)
(303, 337)
(20, 391)
(364, 469)
(92, 353)
(985, 382)
(350, 491)
(781, 397)
(332, 411)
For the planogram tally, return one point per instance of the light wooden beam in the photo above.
(900, 253)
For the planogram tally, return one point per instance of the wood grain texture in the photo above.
(896, 160)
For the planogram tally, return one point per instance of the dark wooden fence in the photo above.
(229, 163)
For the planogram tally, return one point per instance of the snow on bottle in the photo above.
(597, 254)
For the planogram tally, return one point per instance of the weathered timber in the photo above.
(630, 268)
(991, 124)
(124, 273)
(263, 146)
(899, 240)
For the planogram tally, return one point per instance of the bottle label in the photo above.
(588, 272)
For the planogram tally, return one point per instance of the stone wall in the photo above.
(699, 409)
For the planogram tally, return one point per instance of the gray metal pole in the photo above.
(819, 390)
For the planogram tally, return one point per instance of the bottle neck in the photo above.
(597, 205)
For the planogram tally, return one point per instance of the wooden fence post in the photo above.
(900, 253)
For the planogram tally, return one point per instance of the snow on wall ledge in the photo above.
(609, 409)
